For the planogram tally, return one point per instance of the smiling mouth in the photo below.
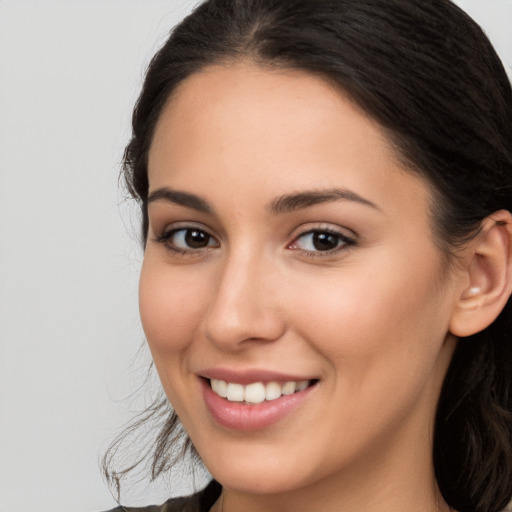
(257, 392)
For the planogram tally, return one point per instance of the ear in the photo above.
(487, 276)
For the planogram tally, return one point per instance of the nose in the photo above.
(244, 306)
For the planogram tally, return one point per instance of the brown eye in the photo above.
(196, 239)
(325, 241)
(188, 239)
(321, 241)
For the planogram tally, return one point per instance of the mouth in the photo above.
(257, 392)
(253, 400)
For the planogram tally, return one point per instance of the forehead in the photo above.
(286, 129)
(265, 98)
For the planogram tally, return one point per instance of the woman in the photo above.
(326, 188)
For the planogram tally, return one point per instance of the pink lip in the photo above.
(248, 417)
(251, 375)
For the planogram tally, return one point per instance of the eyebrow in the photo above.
(292, 202)
(283, 204)
(182, 198)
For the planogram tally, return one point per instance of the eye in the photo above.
(187, 239)
(321, 241)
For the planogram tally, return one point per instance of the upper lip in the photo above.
(250, 375)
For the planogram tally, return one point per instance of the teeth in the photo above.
(272, 391)
(235, 392)
(256, 392)
(220, 387)
(288, 388)
(302, 385)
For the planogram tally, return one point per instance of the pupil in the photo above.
(196, 239)
(325, 241)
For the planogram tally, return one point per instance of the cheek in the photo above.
(390, 316)
(171, 304)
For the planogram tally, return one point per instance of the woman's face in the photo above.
(287, 244)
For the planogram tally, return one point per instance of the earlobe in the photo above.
(474, 290)
(488, 284)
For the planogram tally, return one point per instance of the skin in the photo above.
(369, 320)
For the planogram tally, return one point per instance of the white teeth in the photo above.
(288, 388)
(256, 392)
(302, 385)
(235, 392)
(223, 388)
(220, 387)
(272, 391)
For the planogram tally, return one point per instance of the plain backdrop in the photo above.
(70, 336)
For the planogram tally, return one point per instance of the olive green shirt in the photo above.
(203, 501)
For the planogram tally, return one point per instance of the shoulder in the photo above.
(199, 502)
(187, 504)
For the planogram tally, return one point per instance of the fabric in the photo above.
(203, 501)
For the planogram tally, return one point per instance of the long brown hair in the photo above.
(428, 74)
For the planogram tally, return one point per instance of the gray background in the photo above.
(69, 329)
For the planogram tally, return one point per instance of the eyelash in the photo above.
(166, 236)
(344, 241)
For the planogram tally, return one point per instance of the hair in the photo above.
(426, 72)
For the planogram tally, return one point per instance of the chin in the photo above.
(277, 472)
(258, 480)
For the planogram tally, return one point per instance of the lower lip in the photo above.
(247, 417)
